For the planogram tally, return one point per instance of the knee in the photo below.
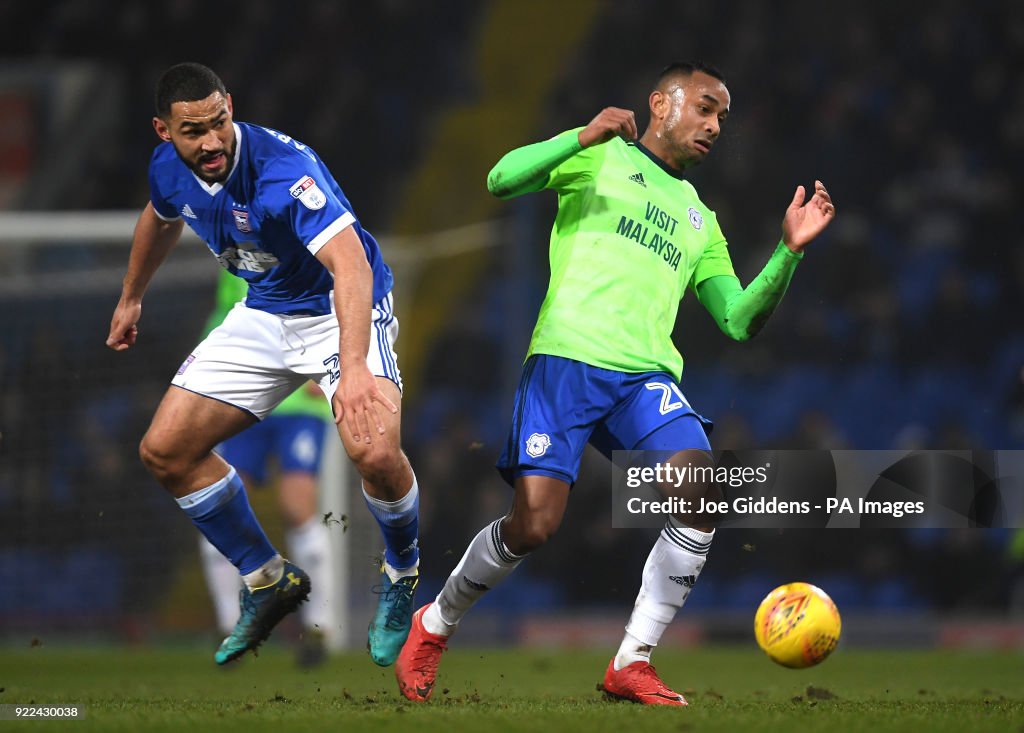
(158, 458)
(296, 517)
(525, 533)
(378, 463)
(699, 464)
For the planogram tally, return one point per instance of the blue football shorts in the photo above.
(293, 442)
(561, 404)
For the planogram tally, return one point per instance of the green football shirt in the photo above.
(629, 237)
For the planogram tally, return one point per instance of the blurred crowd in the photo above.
(901, 328)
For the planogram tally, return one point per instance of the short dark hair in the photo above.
(185, 82)
(687, 68)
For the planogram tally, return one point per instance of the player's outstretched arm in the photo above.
(742, 312)
(526, 169)
(152, 240)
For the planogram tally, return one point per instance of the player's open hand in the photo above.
(123, 328)
(357, 401)
(804, 221)
(610, 122)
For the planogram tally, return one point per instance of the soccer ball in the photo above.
(797, 625)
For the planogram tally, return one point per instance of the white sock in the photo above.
(223, 582)
(632, 650)
(395, 573)
(267, 574)
(486, 563)
(671, 570)
(310, 548)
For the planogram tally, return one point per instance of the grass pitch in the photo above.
(729, 689)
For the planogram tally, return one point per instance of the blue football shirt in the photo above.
(278, 206)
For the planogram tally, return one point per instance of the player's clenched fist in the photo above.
(123, 330)
(610, 122)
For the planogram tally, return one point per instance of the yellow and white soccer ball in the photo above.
(797, 625)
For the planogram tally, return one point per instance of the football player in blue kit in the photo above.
(319, 308)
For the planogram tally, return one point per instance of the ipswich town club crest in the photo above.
(242, 220)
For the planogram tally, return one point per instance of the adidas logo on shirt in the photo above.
(188, 213)
(638, 178)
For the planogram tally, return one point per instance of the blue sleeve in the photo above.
(163, 209)
(296, 189)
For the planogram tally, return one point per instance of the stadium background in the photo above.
(901, 329)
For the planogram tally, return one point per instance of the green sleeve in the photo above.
(530, 168)
(742, 312)
(230, 290)
(715, 259)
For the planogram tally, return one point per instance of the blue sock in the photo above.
(222, 513)
(400, 524)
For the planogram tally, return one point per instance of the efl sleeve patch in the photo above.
(308, 193)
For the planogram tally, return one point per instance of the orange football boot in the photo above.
(416, 666)
(639, 682)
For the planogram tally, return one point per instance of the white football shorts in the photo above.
(253, 360)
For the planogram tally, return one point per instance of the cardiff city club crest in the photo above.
(696, 220)
(538, 444)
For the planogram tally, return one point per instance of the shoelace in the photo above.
(426, 659)
(652, 673)
(248, 616)
(400, 595)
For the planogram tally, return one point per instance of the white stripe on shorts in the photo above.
(382, 320)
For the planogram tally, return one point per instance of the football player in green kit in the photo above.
(630, 236)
